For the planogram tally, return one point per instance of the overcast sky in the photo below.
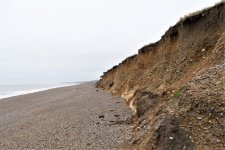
(51, 41)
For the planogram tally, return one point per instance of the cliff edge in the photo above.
(176, 86)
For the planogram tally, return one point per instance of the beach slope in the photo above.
(75, 117)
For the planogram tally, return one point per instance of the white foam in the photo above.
(8, 94)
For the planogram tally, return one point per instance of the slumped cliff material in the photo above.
(176, 86)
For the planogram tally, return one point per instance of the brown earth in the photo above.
(176, 86)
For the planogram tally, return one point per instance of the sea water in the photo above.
(21, 89)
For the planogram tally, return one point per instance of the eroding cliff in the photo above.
(176, 86)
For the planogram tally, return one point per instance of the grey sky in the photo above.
(50, 41)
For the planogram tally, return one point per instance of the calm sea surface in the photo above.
(15, 90)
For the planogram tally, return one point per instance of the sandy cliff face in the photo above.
(176, 86)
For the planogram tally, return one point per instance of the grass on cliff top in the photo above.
(200, 11)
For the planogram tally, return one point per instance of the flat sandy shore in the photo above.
(76, 117)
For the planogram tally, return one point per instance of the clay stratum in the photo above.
(176, 86)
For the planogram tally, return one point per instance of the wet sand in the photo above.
(76, 117)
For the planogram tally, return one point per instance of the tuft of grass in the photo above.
(179, 92)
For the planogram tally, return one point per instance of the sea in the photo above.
(11, 90)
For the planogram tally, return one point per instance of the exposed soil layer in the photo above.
(176, 86)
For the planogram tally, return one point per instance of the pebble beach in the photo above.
(76, 117)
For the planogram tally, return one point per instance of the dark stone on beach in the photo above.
(101, 116)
